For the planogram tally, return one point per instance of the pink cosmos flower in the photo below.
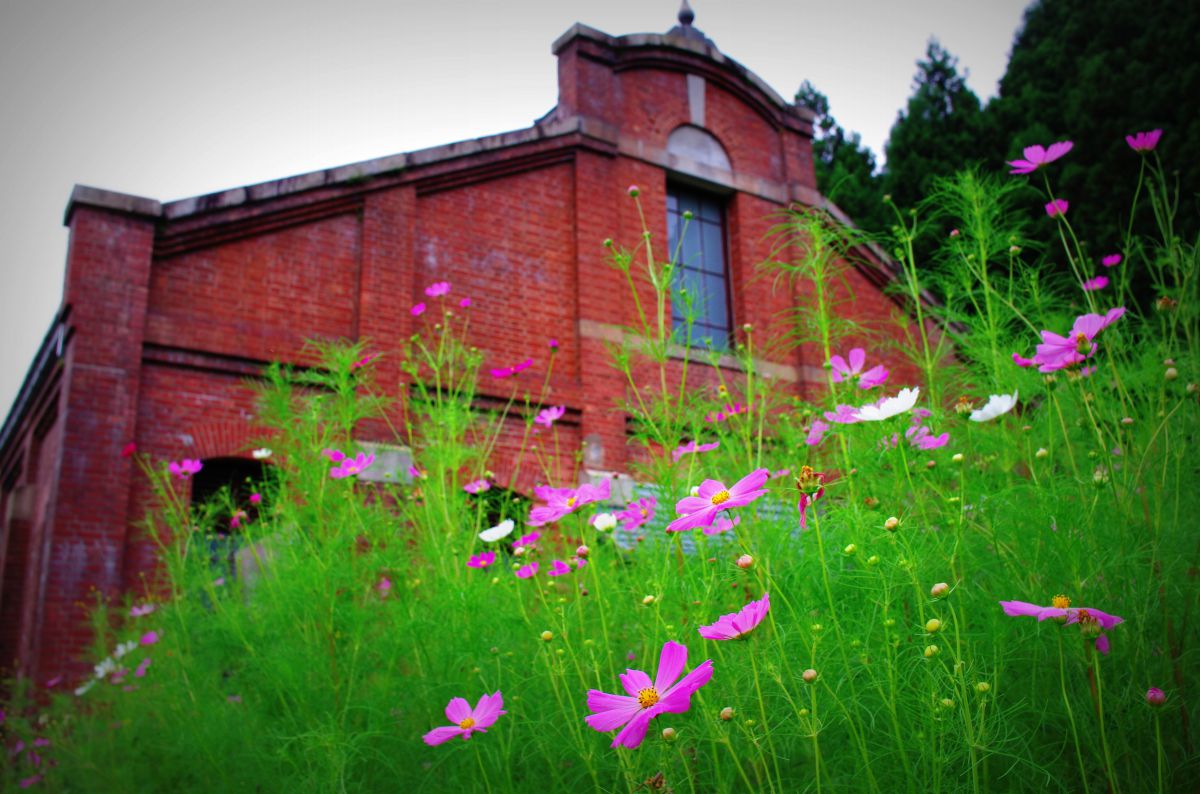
(553, 344)
(255, 498)
(1143, 141)
(437, 289)
(1021, 361)
(816, 433)
(364, 361)
(238, 517)
(465, 303)
(637, 513)
(334, 455)
(508, 372)
(526, 571)
(1112, 260)
(691, 447)
(352, 466)
(1093, 284)
(811, 485)
(713, 497)
(477, 486)
(467, 720)
(482, 560)
(1036, 157)
(548, 416)
(53, 682)
(844, 415)
(1057, 208)
(527, 540)
(922, 437)
(142, 611)
(1092, 621)
(561, 501)
(727, 412)
(416, 472)
(149, 638)
(32, 780)
(418, 309)
(722, 524)
(738, 625)
(384, 587)
(875, 376)
(128, 449)
(1058, 352)
(647, 699)
(185, 468)
(558, 568)
(143, 666)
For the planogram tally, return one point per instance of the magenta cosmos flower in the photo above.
(437, 289)
(185, 468)
(691, 447)
(875, 376)
(561, 501)
(738, 625)
(482, 560)
(1059, 352)
(1143, 141)
(1112, 260)
(467, 720)
(558, 568)
(477, 486)
(418, 309)
(1036, 157)
(637, 513)
(712, 497)
(1095, 283)
(548, 416)
(1057, 208)
(515, 369)
(352, 466)
(647, 699)
(526, 571)
(1093, 622)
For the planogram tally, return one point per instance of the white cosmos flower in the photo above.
(893, 406)
(261, 453)
(501, 530)
(604, 521)
(124, 648)
(997, 405)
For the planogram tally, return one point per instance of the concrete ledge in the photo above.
(111, 200)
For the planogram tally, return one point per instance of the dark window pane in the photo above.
(698, 247)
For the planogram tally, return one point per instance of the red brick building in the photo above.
(167, 308)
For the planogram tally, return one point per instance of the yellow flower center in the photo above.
(720, 497)
(1060, 602)
(469, 722)
(645, 514)
(647, 697)
(571, 501)
(1083, 345)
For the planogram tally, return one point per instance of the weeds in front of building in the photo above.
(982, 580)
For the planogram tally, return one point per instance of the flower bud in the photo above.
(727, 713)
(809, 675)
(747, 328)
(1155, 696)
(940, 590)
(873, 559)
(871, 502)
(887, 624)
(1128, 420)
(633, 191)
(1042, 453)
(519, 551)
(947, 703)
(816, 628)
(547, 636)
(1171, 373)
(745, 561)
(648, 600)
(933, 625)
(849, 550)
(932, 651)
(957, 457)
(582, 551)
(1192, 388)
(983, 687)
(669, 734)
(892, 524)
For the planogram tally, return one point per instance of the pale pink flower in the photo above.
(738, 625)
(1057, 208)
(853, 371)
(526, 571)
(352, 466)
(637, 513)
(185, 468)
(467, 720)
(437, 289)
(1036, 157)
(713, 497)
(482, 560)
(647, 699)
(548, 416)
(1093, 284)
(1143, 141)
(418, 309)
(561, 501)
(384, 587)
(816, 433)
(477, 486)
(844, 415)
(691, 447)
(142, 611)
(1112, 260)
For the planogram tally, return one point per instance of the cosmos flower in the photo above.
(1095, 283)
(637, 513)
(875, 376)
(890, 406)
(142, 611)
(548, 416)
(364, 361)
(647, 699)
(262, 453)
(843, 415)
(526, 571)
(558, 568)
(1112, 260)
(728, 411)
(712, 497)
(508, 372)
(1143, 141)
(997, 405)
(501, 530)
(128, 449)
(1037, 156)
(334, 455)
(561, 501)
(477, 486)
(417, 310)
(185, 468)
(467, 720)
(737, 625)
(527, 540)
(816, 433)
(811, 485)
(722, 524)
(482, 560)
(1093, 622)
(1057, 208)
(149, 638)
(465, 303)
(922, 437)
(1058, 352)
(1021, 361)
(437, 289)
(691, 447)
(352, 466)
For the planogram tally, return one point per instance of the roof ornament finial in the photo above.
(686, 14)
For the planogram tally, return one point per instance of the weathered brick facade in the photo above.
(168, 307)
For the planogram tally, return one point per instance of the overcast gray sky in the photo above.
(168, 99)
